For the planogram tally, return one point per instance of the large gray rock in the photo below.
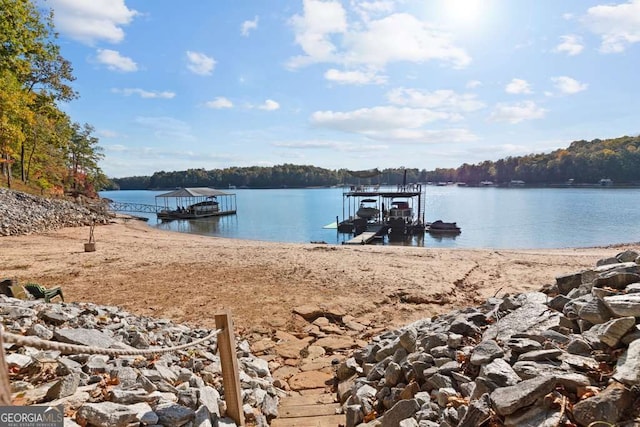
(408, 339)
(507, 400)
(202, 417)
(628, 256)
(81, 336)
(567, 282)
(595, 311)
(107, 414)
(393, 374)
(402, 410)
(485, 352)
(478, 413)
(610, 332)
(628, 366)
(174, 415)
(145, 414)
(624, 305)
(618, 279)
(528, 319)
(606, 407)
(64, 387)
(209, 397)
(500, 372)
(537, 416)
(537, 355)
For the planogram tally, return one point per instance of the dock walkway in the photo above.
(367, 237)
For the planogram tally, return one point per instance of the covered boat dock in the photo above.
(195, 202)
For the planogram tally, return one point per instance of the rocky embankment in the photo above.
(171, 389)
(569, 355)
(23, 213)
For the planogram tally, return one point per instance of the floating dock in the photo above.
(373, 232)
(373, 211)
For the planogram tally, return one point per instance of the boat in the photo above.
(367, 211)
(196, 210)
(194, 203)
(400, 210)
(440, 227)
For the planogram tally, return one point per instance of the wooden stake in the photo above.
(5, 387)
(230, 373)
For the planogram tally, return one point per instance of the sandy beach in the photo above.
(189, 278)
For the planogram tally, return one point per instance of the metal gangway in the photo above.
(133, 207)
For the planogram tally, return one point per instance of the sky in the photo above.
(353, 84)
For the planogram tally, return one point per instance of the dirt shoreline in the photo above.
(189, 278)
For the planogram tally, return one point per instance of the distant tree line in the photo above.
(582, 162)
(280, 176)
(39, 144)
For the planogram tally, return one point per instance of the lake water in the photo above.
(489, 217)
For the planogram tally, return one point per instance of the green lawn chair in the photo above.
(39, 291)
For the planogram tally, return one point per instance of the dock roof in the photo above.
(194, 192)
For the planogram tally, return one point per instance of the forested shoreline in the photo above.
(583, 162)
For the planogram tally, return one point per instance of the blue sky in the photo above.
(347, 84)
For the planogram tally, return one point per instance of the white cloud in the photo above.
(354, 77)
(144, 93)
(269, 105)
(472, 84)
(570, 44)
(325, 36)
(402, 125)
(367, 9)
(219, 103)
(247, 26)
(401, 37)
(516, 113)
(200, 64)
(444, 100)
(518, 86)
(617, 25)
(313, 29)
(567, 85)
(116, 62)
(367, 120)
(391, 123)
(167, 128)
(92, 21)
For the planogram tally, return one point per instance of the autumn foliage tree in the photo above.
(37, 139)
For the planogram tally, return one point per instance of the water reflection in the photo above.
(442, 237)
(204, 226)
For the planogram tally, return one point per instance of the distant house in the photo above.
(605, 182)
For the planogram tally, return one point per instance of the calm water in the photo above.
(489, 217)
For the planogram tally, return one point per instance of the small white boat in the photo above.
(440, 227)
(367, 211)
